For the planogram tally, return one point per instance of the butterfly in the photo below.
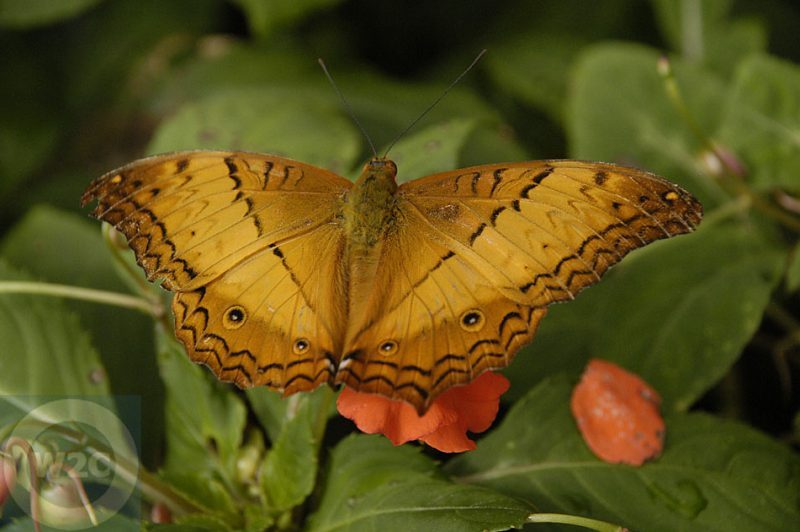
(289, 276)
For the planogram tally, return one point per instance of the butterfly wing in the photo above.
(477, 255)
(250, 244)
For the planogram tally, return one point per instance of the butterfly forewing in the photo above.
(247, 242)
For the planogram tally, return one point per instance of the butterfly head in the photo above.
(378, 176)
(381, 165)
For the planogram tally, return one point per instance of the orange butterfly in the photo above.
(289, 276)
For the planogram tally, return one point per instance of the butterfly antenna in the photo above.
(347, 107)
(435, 102)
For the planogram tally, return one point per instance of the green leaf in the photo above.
(274, 411)
(450, 145)
(270, 409)
(265, 16)
(619, 112)
(32, 13)
(713, 474)
(434, 149)
(292, 123)
(123, 337)
(667, 312)
(205, 421)
(374, 486)
(289, 471)
(383, 106)
(41, 339)
(238, 66)
(762, 125)
(51, 375)
(386, 108)
(491, 144)
(535, 67)
(197, 523)
(703, 32)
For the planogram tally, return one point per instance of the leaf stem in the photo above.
(585, 522)
(76, 481)
(79, 293)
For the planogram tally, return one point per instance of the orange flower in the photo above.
(444, 426)
(617, 414)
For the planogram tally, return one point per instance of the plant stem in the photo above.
(36, 513)
(585, 522)
(79, 293)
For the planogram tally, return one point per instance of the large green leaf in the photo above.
(373, 486)
(534, 67)
(385, 107)
(291, 123)
(434, 149)
(51, 377)
(713, 474)
(619, 112)
(238, 65)
(123, 336)
(43, 349)
(762, 125)
(667, 312)
(204, 425)
(289, 471)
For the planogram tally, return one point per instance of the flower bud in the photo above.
(61, 505)
(160, 514)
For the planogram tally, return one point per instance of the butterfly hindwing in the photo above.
(436, 323)
(268, 321)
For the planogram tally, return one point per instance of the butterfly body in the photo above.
(369, 211)
(289, 276)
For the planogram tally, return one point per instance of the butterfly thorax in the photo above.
(369, 209)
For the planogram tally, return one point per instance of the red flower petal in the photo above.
(444, 426)
(617, 414)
